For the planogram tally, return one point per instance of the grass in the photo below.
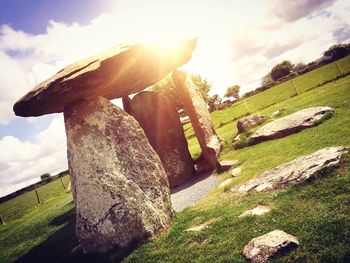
(317, 212)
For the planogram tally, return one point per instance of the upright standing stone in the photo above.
(200, 118)
(119, 185)
(161, 123)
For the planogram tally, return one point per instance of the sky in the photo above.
(238, 43)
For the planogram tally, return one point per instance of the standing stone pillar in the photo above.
(161, 123)
(200, 118)
(119, 185)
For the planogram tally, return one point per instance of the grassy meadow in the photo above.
(317, 211)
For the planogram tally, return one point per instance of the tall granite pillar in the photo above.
(119, 184)
(161, 123)
(200, 118)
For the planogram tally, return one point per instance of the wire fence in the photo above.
(18, 206)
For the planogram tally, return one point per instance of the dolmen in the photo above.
(122, 161)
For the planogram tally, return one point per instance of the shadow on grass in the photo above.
(58, 247)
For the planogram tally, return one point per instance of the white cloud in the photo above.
(22, 162)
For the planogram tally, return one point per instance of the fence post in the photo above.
(338, 68)
(37, 196)
(64, 187)
(246, 105)
(295, 88)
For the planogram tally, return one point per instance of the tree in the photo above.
(280, 70)
(267, 81)
(214, 102)
(337, 51)
(298, 67)
(233, 91)
(168, 89)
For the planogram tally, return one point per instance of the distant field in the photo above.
(267, 98)
(318, 212)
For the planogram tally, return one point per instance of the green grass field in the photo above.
(317, 212)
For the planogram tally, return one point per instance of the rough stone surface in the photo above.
(236, 171)
(115, 73)
(225, 183)
(262, 248)
(119, 185)
(256, 211)
(203, 225)
(200, 118)
(295, 171)
(225, 165)
(295, 122)
(161, 123)
(250, 122)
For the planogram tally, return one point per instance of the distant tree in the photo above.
(167, 88)
(267, 81)
(298, 67)
(45, 176)
(233, 91)
(213, 102)
(280, 70)
(337, 51)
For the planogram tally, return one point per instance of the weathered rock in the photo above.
(225, 165)
(200, 118)
(294, 171)
(256, 211)
(119, 186)
(236, 171)
(161, 123)
(225, 183)
(115, 73)
(203, 225)
(262, 248)
(295, 122)
(127, 104)
(250, 122)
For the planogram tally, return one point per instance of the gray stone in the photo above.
(256, 211)
(295, 122)
(225, 165)
(119, 185)
(261, 249)
(200, 117)
(116, 73)
(236, 171)
(161, 123)
(295, 171)
(250, 122)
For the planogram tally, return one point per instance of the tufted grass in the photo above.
(317, 212)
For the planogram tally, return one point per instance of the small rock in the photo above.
(226, 165)
(295, 122)
(236, 172)
(225, 183)
(277, 112)
(250, 122)
(257, 211)
(294, 171)
(260, 249)
(203, 225)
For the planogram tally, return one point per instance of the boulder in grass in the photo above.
(250, 122)
(295, 171)
(261, 249)
(295, 122)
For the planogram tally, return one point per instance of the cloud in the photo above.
(290, 11)
(22, 162)
(342, 33)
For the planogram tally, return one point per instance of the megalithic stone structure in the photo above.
(120, 188)
(118, 181)
(200, 118)
(161, 123)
